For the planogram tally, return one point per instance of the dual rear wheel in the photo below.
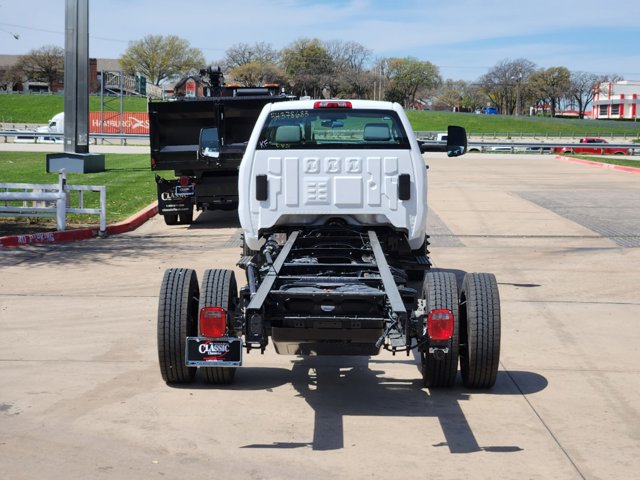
(180, 302)
(475, 340)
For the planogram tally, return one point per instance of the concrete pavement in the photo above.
(81, 394)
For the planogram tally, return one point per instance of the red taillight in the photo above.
(153, 162)
(440, 324)
(184, 181)
(332, 104)
(213, 322)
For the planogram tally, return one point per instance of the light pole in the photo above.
(76, 157)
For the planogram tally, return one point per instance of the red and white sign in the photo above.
(190, 88)
(111, 122)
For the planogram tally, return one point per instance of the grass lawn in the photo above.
(617, 160)
(40, 108)
(23, 109)
(516, 126)
(128, 178)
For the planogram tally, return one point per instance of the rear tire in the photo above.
(480, 330)
(440, 290)
(170, 218)
(219, 289)
(185, 218)
(177, 313)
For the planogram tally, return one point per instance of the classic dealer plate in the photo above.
(219, 352)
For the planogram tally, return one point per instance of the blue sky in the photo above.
(464, 38)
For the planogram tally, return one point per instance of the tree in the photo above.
(161, 58)
(45, 64)
(308, 66)
(256, 74)
(349, 59)
(407, 76)
(583, 88)
(243, 53)
(506, 84)
(551, 85)
(10, 77)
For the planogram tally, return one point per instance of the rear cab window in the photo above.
(334, 128)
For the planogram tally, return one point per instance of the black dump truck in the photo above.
(221, 120)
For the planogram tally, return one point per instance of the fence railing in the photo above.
(58, 138)
(485, 143)
(51, 200)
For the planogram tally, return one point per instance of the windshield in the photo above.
(333, 128)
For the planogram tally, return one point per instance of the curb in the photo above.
(608, 166)
(127, 225)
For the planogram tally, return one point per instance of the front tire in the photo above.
(219, 289)
(480, 330)
(177, 314)
(440, 290)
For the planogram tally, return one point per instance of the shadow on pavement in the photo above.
(336, 387)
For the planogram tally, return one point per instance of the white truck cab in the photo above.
(311, 160)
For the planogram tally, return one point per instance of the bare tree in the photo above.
(506, 84)
(45, 64)
(161, 58)
(243, 53)
(584, 87)
(458, 95)
(349, 60)
(10, 77)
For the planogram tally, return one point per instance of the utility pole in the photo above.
(76, 157)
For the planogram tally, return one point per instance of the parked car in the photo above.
(594, 146)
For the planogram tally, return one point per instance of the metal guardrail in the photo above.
(50, 200)
(58, 138)
(431, 135)
(537, 147)
(488, 146)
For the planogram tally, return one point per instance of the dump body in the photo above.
(206, 182)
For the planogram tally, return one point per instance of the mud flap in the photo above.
(174, 198)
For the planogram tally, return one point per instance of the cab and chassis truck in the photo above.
(332, 205)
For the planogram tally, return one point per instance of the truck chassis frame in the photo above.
(333, 289)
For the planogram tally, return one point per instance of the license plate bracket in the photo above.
(213, 352)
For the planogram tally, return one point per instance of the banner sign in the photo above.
(111, 122)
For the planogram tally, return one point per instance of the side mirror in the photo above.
(209, 143)
(456, 141)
